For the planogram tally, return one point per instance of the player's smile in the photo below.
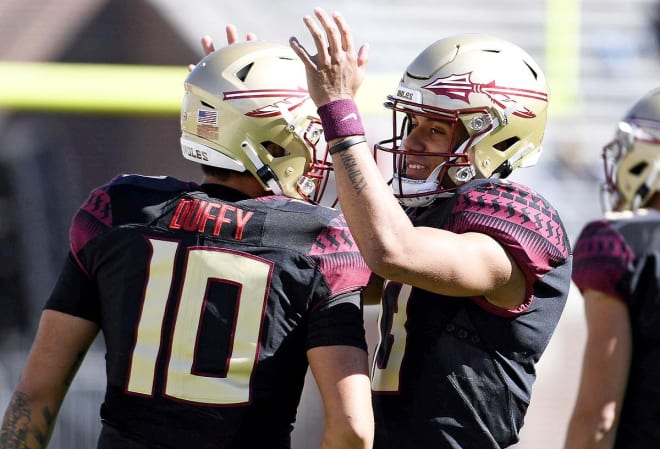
(421, 167)
(430, 136)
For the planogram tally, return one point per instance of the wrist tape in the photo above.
(345, 144)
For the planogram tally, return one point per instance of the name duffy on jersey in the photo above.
(197, 215)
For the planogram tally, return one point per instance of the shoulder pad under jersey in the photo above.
(520, 219)
(121, 201)
(601, 258)
(322, 233)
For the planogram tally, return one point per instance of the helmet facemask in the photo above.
(468, 128)
(313, 184)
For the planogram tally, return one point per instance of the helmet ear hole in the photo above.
(274, 149)
(506, 143)
(638, 169)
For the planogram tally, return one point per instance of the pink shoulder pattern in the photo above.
(521, 220)
(339, 259)
(601, 259)
(94, 216)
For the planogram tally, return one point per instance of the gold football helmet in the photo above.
(632, 158)
(242, 98)
(490, 87)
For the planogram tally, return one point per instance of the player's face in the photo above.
(427, 135)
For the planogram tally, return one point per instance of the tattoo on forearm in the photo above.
(43, 436)
(17, 425)
(13, 434)
(354, 174)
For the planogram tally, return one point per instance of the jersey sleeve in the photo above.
(75, 293)
(338, 318)
(522, 221)
(338, 321)
(601, 259)
(339, 259)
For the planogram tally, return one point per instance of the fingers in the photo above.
(322, 56)
(344, 32)
(301, 52)
(207, 45)
(347, 41)
(363, 56)
(331, 31)
(339, 38)
(338, 35)
(232, 35)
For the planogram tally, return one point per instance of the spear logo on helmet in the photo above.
(460, 87)
(289, 100)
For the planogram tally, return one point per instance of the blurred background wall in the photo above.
(599, 56)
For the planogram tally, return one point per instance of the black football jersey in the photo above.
(620, 256)
(455, 372)
(208, 301)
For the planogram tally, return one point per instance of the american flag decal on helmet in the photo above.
(460, 87)
(289, 99)
(206, 117)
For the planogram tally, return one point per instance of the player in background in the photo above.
(477, 267)
(617, 269)
(212, 298)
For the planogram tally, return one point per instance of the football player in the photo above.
(617, 269)
(214, 298)
(477, 267)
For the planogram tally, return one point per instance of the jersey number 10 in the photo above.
(203, 264)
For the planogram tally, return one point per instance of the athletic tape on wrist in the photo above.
(340, 118)
(344, 144)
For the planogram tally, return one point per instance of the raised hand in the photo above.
(232, 37)
(336, 71)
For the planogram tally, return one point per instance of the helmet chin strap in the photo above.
(264, 172)
(409, 186)
(607, 198)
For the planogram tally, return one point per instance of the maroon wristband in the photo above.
(340, 118)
